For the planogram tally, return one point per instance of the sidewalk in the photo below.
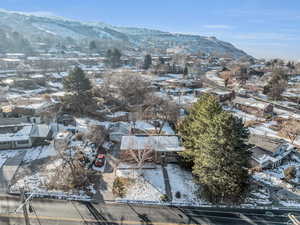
(167, 183)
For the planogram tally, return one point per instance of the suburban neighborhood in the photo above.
(105, 126)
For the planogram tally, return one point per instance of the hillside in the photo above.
(22, 32)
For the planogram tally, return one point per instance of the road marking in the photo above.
(66, 219)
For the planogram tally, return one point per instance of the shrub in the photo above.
(164, 198)
(79, 136)
(252, 123)
(268, 116)
(178, 194)
(119, 188)
(290, 173)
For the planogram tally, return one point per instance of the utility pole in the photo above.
(23, 201)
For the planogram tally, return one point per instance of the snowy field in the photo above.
(274, 177)
(147, 187)
(182, 181)
(260, 197)
(150, 186)
(35, 179)
(39, 153)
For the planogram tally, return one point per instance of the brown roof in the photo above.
(265, 143)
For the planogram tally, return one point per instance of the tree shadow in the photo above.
(144, 219)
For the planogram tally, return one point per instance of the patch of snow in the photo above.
(4, 155)
(147, 187)
(39, 153)
(290, 203)
(182, 181)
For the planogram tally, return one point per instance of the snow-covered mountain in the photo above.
(25, 32)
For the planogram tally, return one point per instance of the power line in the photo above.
(34, 211)
(79, 213)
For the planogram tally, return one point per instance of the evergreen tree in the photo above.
(77, 81)
(161, 60)
(277, 84)
(147, 62)
(93, 46)
(185, 71)
(113, 58)
(215, 143)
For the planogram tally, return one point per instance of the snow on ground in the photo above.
(259, 197)
(244, 116)
(36, 184)
(145, 126)
(290, 203)
(4, 155)
(264, 130)
(213, 76)
(286, 114)
(39, 153)
(82, 124)
(182, 181)
(148, 187)
(259, 201)
(273, 176)
(54, 165)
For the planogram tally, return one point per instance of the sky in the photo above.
(262, 28)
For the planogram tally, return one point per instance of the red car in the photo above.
(100, 160)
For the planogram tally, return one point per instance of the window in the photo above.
(4, 143)
(23, 142)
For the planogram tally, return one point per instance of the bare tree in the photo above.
(139, 156)
(96, 134)
(72, 172)
(125, 89)
(291, 129)
(161, 111)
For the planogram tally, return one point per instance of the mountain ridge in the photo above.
(48, 32)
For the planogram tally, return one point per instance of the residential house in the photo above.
(16, 136)
(269, 152)
(253, 106)
(165, 147)
(221, 94)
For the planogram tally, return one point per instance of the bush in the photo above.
(79, 136)
(164, 198)
(252, 123)
(119, 187)
(269, 116)
(290, 173)
(178, 194)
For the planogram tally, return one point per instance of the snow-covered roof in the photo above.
(157, 143)
(22, 134)
(251, 102)
(40, 130)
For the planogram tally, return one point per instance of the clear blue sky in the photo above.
(263, 28)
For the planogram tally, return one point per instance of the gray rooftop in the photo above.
(156, 143)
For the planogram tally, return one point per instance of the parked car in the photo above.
(100, 160)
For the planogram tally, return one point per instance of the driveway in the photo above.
(8, 170)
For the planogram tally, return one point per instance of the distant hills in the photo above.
(24, 32)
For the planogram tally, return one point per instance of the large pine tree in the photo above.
(147, 61)
(215, 143)
(77, 81)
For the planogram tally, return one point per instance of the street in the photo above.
(55, 212)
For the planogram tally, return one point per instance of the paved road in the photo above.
(55, 212)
